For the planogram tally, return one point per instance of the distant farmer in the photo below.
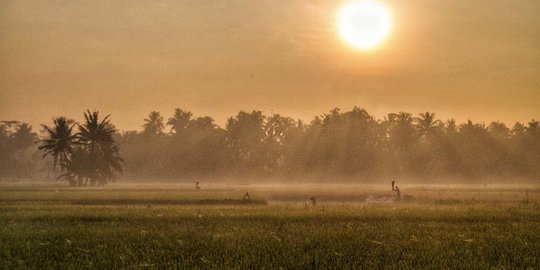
(246, 197)
(398, 194)
(313, 201)
(396, 189)
(197, 187)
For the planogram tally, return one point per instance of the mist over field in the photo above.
(238, 134)
(346, 190)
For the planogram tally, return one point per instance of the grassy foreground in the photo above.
(48, 228)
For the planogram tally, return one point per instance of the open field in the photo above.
(351, 226)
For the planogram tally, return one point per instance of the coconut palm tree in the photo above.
(401, 130)
(202, 124)
(8, 152)
(109, 162)
(451, 126)
(77, 170)
(471, 128)
(93, 131)
(90, 155)
(96, 138)
(245, 137)
(59, 143)
(23, 137)
(533, 128)
(153, 124)
(499, 130)
(427, 124)
(179, 121)
(518, 129)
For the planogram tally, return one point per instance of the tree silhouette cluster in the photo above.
(88, 157)
(16, 157)
(336, 144)
(342, 144)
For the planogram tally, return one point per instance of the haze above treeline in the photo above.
(460, 58)
(339, 144)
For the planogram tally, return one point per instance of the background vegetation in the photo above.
(336, 144)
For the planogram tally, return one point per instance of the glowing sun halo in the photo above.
(365, 24)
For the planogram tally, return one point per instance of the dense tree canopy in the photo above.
(90, 156)
(350, 144)
(339, 144)
(16, 155)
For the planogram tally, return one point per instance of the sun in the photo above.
(364, 24)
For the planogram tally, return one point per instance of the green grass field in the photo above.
(176, 227)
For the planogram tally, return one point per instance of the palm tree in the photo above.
(23, 138)
(153, 124)
(499, 130)
(96, 137)
(427, 124)
(470, 128)
(6, 150)
(93, 131)
(533, 128)
(245, 135)
(77, 169)
(59, 143)
(202, 124)
(99, 169)
(277, 126)
(401, 130)
(179, 121)
(90, 155)
(518, 129)
(109, 162)
(451, 126)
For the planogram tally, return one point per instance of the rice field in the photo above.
(49, 226)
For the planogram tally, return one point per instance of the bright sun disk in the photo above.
(364, 25)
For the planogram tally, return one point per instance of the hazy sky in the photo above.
(459, 58)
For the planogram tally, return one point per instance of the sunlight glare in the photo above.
(365, 24)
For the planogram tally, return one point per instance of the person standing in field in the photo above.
(396, 189)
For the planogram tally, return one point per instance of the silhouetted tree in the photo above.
(89, 157)
(499, 130)
(338, 143)
(401, 130)
(16, 139)
(59, 141)
(153, 124)
(179, 121)
(23, 137)
(245, 137)
(7, 157)
(427, 124)
(277, 129)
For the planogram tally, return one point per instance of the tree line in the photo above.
(84, 153)
(335, 144)
(17, 158)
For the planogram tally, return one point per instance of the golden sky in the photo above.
(458, 58)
